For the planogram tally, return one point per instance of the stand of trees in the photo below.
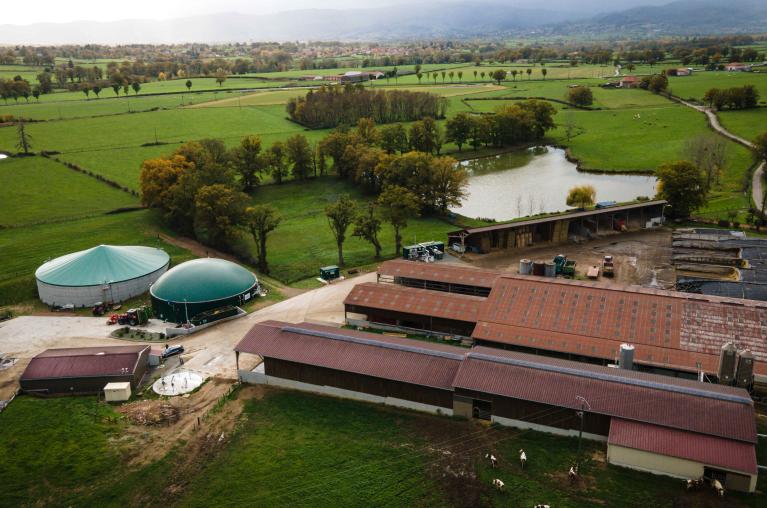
(683, 185)
(580, 96)
(743, 97)
(333, 106)
(522, 122)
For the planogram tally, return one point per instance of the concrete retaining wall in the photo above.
(521, 424)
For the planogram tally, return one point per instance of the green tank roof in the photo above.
(102, 264)
(203, 280)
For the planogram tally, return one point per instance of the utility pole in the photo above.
(581, 414)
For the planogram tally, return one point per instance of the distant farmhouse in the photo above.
(737, 67)
(355, 76)
(629, 82)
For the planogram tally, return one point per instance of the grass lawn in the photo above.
(696, 85)
(303, 241)
(24, 249)
(37, 190)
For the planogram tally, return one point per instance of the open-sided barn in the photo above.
(84, 369)
(654, 423)
(558, 228)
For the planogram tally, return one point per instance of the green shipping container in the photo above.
(330, 272)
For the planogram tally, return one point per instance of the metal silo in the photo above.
(745, 373)
(728, 359)
(627, 357)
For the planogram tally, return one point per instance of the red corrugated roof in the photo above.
(422, 368)
(83, 362)
(422, 302)
(709, 450)
(733, 420)
(439, 272)
(668, 328)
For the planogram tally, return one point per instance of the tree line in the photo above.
(330, 106)
(739, 97)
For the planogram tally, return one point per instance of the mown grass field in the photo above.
(24, 249)
(696, 85)
(303, 241)
(297, 449)
(38, 190)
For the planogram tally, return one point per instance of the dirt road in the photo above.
(757, 192)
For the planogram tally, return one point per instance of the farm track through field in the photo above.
(757, 192)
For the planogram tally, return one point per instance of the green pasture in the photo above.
(54, 448)
(26, 72)
(697, 84)
(303, 241)
(748, 123)
(159, 87)
(108, 104)
(24, 249)
(297, 449)
(111, 145)
(37, 190)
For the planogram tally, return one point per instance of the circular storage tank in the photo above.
(550, 269)
(525, 267)
(201, 285)
(107, 273)
(539, 268)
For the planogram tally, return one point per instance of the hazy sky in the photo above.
(21, 13)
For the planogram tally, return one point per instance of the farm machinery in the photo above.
(564, 266)
(608, 266)
(133, 317)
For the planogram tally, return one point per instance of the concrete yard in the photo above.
(643, 257)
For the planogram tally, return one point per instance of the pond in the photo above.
(537, 180)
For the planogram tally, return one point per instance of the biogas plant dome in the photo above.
(201, 285)
(106, 273)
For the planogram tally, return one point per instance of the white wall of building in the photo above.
(86, 296)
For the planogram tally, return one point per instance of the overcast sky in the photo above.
(21, 13)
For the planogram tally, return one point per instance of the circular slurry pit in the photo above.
(178, 383)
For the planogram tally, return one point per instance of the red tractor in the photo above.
(133, 317)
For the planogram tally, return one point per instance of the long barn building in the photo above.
(673, 333)
(652, 423)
